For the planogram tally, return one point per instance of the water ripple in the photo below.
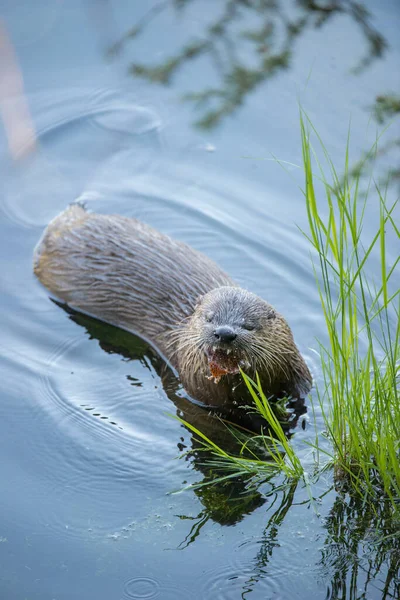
(227, 581)
(109, 127)
(141, 587)
(102, 395)
(146, 588)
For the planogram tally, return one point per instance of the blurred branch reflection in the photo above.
(248, 43)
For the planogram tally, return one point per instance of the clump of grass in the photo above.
(259, 456)
(360, 399)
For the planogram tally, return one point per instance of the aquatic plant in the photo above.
(361, 361)
(258, 456)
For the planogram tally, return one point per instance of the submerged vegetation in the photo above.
(360, 360)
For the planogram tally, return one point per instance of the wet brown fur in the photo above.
(130, 275)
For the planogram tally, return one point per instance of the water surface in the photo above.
(89, 448)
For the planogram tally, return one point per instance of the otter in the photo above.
(128, 274)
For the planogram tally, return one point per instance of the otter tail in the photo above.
(46, 249)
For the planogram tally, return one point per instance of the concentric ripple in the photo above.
(228, 582)
(266, 566)
(109, 127)
(146, 588)
(104, 435)
(141, 587)
(97, 394)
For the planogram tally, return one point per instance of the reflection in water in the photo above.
(361, 550)
(362, 547)
(248, 43)
(269, 539)
(225, 503)
(14, 109)
(385, 110)
(228, 501)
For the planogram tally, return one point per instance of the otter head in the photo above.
(235, 329)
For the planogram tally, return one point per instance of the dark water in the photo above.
(87, 442)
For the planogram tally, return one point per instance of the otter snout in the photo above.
(225, 334)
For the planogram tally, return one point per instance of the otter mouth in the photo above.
(223, 362)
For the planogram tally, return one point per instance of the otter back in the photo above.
(123, 271)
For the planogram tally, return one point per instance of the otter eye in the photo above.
(248, 326)
(209, 317)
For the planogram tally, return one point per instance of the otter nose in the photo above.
(225, 334)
